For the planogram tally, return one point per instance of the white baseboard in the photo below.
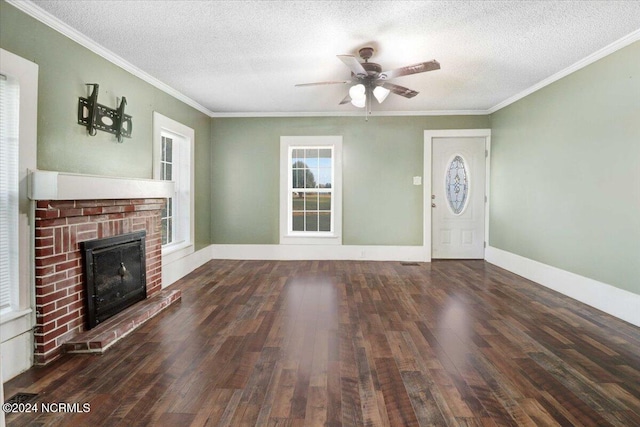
(178, 268)
(617, 302)
(319, 252)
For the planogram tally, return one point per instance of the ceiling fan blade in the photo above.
(325, 83)
(410, 69)
(345, 100)
(354, 65)
(399, 90)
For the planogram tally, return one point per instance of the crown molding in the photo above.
(46, 18)
(607, 50)
(352, 114)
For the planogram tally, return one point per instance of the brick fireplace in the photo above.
(65, 216)
(60, 292)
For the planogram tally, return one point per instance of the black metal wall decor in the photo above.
(98, 117)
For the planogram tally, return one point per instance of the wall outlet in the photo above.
(417, 180)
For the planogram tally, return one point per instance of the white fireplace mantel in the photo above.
(49, 185)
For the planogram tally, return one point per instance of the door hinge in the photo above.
(485, 199)
(486, 153)
(484, 245)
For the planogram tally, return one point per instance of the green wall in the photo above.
(565, 173)
(63, 145)
(381, 206)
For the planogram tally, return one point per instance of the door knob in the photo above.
(433, 205)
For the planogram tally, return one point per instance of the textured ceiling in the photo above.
(246, 56)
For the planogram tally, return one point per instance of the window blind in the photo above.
(9, 109)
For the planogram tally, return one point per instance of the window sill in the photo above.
(15, 323)
(11, 315)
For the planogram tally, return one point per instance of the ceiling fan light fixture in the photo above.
(359, 102)
(381, 93)
(357, 92)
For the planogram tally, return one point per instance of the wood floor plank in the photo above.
(354, 343)
(396, 399)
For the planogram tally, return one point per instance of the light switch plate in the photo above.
(417, 180)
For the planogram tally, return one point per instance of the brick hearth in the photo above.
(60, 293)
(103, 336)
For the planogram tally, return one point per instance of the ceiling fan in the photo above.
(367, 79)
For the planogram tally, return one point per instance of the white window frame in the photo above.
(183, 178)
(16, 325)
(287, 235)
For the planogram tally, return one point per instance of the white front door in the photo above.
(458, 197)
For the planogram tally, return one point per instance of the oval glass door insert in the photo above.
(457, 185)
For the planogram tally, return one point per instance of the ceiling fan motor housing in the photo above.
(372, 69)
(366, 53)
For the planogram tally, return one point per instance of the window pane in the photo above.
(311, 162)
(298, 221)
(169, 207)
(297, 201)
(311, 202)
(324, 201)
(298, 177)
(167, 171)
(311, 154)
(169, 150)
(169, 230)
(324, 155)
(297, 155)
(163, 150)
(325, 221)
(324, 178)
(164, 231)
(311, 219)
(312, 178)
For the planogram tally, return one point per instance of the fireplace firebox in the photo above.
(115, 275)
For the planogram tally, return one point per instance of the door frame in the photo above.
(427, 184)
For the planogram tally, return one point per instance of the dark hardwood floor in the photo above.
(354, 343)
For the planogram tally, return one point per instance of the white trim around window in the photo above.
(183, 138)
(17, 323)
(332, 235)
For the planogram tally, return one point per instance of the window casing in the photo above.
(19, 132)
(173, 161)
(311, 190)
(18, 317)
